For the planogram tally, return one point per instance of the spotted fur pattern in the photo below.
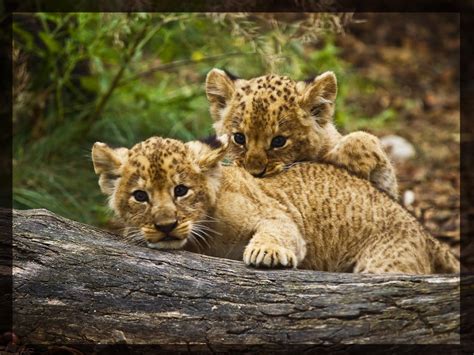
(272, 105)
(313, 215)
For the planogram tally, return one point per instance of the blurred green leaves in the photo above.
(50, 42)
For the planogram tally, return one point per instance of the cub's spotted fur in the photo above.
(314, 216)
(275, 121)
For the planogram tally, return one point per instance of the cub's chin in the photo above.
(167, 245)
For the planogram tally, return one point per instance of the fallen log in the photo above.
(77, 284)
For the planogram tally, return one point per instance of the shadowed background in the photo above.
(121, 78)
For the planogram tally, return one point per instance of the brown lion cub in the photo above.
(275, 121)
(314, 216)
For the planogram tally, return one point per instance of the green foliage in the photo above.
(120, 78)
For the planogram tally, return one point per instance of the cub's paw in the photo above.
(269, 255)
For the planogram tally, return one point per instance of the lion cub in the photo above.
(275, 121)
(314, 216)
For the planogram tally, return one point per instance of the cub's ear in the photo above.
(209, 153)
(318, 97)
(220, 87)
(107, 164)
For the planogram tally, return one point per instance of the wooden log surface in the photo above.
(76, 284)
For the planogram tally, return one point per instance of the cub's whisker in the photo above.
(198, 231)
(203, 239)
(211, 217)
(205, 227)
(196, 242)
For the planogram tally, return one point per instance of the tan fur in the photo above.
(268, 106)
(314, 216)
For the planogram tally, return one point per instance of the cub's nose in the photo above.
(257, 172)
(256, 166)
(166, 228)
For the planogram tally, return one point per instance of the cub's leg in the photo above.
(276, 242)
(402, 257)
(362, 153)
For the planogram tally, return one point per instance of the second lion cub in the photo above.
(275, 121)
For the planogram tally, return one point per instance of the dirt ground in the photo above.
(416, 58)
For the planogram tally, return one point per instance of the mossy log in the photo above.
(77, 284)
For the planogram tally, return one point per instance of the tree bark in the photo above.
(76, 284)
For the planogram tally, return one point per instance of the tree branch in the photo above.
(77, 284)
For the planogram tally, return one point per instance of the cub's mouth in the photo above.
(160, 240)
(167, 244)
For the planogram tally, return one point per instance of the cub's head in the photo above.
(162, 188)
(272, 120)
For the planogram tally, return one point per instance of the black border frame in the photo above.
(463, 7)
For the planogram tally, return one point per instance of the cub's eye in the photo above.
(239, 138)
(278, 142)
(140, 196)
(180, 190)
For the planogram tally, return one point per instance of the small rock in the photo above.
(398, 147)
(408, 198)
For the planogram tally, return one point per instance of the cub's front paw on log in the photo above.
(269, 255)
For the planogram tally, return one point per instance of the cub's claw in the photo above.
(269, 255)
